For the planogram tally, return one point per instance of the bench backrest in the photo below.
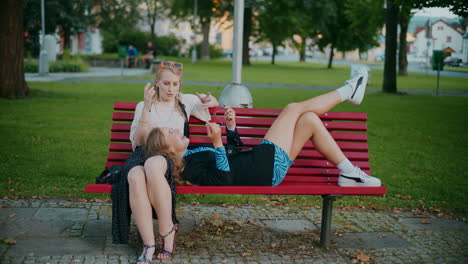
(310, 167)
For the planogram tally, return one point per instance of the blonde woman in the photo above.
(140, 192)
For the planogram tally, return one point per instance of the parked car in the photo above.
(451, 61)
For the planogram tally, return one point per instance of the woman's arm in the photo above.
(142, 129)
(233, 137)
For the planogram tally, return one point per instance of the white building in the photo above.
(444, 37)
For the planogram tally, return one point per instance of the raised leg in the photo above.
(310, 127)
(283, 129)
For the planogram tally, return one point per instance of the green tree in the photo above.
(274, 23)
(115, 16)
(12, 82)
(356, 26)
(308, 17)
(206, 11)
(391, 18)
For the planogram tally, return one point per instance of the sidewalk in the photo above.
(59, 231)
(106, 75)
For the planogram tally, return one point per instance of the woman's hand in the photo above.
(214, 133)
(207, 101)
(148, 96)
(230, 117)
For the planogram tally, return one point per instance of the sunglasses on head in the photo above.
(170, 64)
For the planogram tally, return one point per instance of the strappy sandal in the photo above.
(143, 258)
(162, 250)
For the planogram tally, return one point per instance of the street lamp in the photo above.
(43, 60)
(194, 49)
(235, 94)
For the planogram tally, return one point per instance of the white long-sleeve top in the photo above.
(165, 115)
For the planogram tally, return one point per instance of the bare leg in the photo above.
(141, 207)
(161, 199)
(310, 127)
(283, 129)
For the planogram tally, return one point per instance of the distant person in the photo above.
(132, 56)
(150, 54)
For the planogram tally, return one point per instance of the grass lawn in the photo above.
(459, 69)
(56, 141)
(297, 73)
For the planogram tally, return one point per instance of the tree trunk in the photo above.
(302, 49)
(246, 36)
(12, 82)
(330, 59)
(273, 54)
(205, 48)
(391, 18)
(405, 16)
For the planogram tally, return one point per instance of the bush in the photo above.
(57, 66)
(214, 51)
(165, 45)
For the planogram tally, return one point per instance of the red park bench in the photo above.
(311, 173)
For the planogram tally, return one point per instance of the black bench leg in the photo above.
(326, 219)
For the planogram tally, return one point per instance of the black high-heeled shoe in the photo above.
(162, 250)
(143, 258)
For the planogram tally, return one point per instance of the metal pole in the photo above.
(194, 49)
(237, 43)
(235, 94)
(43, 60)
(438, 75)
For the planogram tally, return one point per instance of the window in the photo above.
(219, 38)
(440, 28)
(449, 39)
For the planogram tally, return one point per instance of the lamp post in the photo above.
(43, 60)
(194, 37)
(235, 94)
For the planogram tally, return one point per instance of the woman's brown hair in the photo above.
(157, 145)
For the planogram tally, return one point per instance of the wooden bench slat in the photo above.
(338, 136)
(345, 146)
(290, 188)
(266, 123)
(313, 154)
(258, 112)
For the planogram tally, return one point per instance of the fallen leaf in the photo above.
(12, 215)
(273, 245)
(302, 247)
(9, 241)
(347, 226)
(354, 261)
(215, 217)
(362, 257)
(31, 254)
(426, 222)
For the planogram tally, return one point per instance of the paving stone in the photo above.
(64, 214)
(290, 225)
(97, 228)
(433, 223)
(5, 213)
(20, 227)
(57, 246)
(371, 240)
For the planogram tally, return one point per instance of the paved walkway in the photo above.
(100, 74)
(59, 231)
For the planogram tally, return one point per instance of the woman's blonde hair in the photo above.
(156, 144)
(178, 101)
